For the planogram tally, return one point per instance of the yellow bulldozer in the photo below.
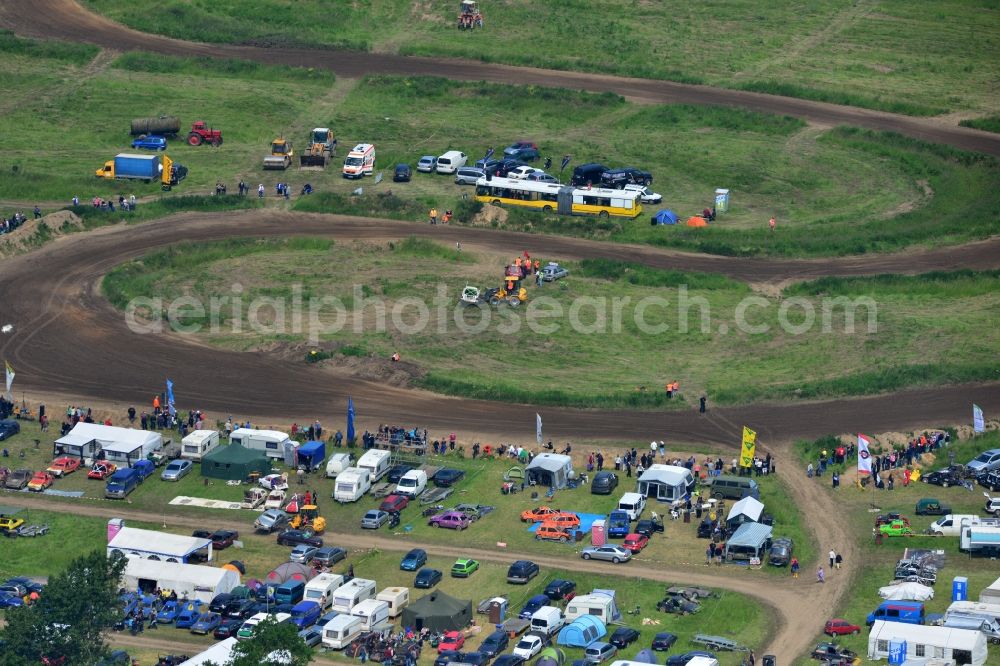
(281, 154)
(308, 516)
(322, 145)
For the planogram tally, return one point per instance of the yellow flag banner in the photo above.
(749, 447)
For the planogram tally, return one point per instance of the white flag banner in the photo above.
(864, 456)
(538, 428)
(978, 424)
(10, 376)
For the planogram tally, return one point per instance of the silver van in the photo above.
(468, 175)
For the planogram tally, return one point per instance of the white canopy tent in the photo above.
(187, 580)
(964, 646)
(550, 469)
(217, 654)
(153, 545)
(747, 510)
(87, 440)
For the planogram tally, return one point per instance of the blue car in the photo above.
(190, 613)
(534, 603)
(427, 578)
(151, 142)
(8, 600)
(413, 560)
(206, 624)
(169, 612)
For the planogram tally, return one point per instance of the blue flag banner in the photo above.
(350, 419)
(489, 153)
(565, 163)
(170, 398)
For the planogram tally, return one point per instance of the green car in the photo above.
(463, 568)
(895, 528)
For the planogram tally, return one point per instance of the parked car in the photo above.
(507, 165)
(949, 476)
(521, 172)
(220, 602)
(648, 527)
(522, 150)
(534, 603)
(454, 520)
(311, 636)
(228, 627)
(18, 479)
(990, 481)
(560, 589)
(447, 477)
(394, 503)
(374, 519)
(987, 461)
(63, 465)
(550, 532)
(427, 163)
(839, 627)
(452, 640)
(521, 571)
(833, 652)
(508, 660)
(329, 555)
(992, 506)
(538, 514)
(413, 560)
(102, 470)
(28, 584)
(151, 142)
(427, 578)
(619, 178)
(9, 600)
(529, 646)
(115, 658)
(9, 428)
(488, 166)
(396, 472)
(677, 604)
(623, 637)
(303, 553)
(469, 175)
(931, 507)
(635, 542)
(241, 609)
(494, 644)
(189, 613)
(683, 659)
(569, 521)
(40, 481)
(663, 640)
(177, 470)
(295, 537)
(402, 173)
(271, 520)
(599, 652)
(608, 553)
(781, 551)
(603, 483)
(464, 567)
(895, 528)
(206, 624)
(646, 195)
(541, 177)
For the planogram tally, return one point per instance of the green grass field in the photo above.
(884, 54)
(603, 356)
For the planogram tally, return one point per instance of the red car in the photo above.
(63, 465)
(394, 503)
(635, 542)
(838, 627)
(40, 481)
(101, 471)
(452, 640)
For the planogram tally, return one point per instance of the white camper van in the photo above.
(397, 599)
(376, 461)
(547, 620)
(412, 483)
(271, 442)
(321, 588)
(198, 443)
(632, 504)
(352, 593)
(372, 613)
(337, 463)
(352, 484)
(341, 631)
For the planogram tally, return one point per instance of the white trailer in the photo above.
(352, 484)
(198, 443)
(271, 442)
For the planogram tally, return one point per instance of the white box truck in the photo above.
(412, 483)
(352, 484)
(372, 612)
(337, 463)
(352, 593)
(341, 631)
(397, 598)
(271, 442)
(198, 443)
(376, 461)
(321, 588)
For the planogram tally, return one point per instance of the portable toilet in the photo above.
(497, 610)
(598, 533)
(959, 588)
(721, 200)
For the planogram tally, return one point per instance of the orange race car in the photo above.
(63, 465)
(101, 471)
(542, 513)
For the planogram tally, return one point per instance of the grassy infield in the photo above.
(733, 615)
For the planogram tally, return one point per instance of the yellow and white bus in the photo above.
(563, 199)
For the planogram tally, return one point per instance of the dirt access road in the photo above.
(66, 19)
(68, 339)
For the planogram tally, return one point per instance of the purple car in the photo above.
(455, 520)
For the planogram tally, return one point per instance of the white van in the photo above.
(451, 161)
(337, 463)
(950, 525)
(341, 631)
(271, 442)
(372, 613)
(360, 161)
(352, 484)
(321, 588)
(198, 443)
(412, 483)
(352, 593)
(397, 598)
(632, 504)
(547, 620)
(376, 461)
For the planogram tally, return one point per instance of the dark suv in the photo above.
(522, 150)
(522, 571)
(604, 483)
(588, 173)
(781, 552)
(619, 178)
(560, 589)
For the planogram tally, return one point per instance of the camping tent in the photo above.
(438, 612)
(551, 656)
(697, 221)
(234, 463)
(645, 656)
(990, 595)
(665, 216)
(747, 510)
(219, 653)
(550, 469)
(311, 454)
(153, 545)
(909, 591)
(667, 483)
(965, 646)
(582, 631)
(615, 613)
(123, 445)
(289, 571)
(187, 580)
(748, 537)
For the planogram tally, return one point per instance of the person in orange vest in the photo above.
(517, 261)
(677, 387)
(771, 223)
(156, 404)
(670, 389)
(538, 265)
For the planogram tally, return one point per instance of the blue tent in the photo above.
(582, 631)
(665, 216)
(645, 656)
(311, 454)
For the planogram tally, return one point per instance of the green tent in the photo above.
(234, 462)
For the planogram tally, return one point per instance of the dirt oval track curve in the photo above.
(67, 339)
(66, 19)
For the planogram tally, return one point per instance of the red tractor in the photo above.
(201, 133)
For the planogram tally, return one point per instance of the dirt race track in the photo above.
(67, 339)
(66, 19)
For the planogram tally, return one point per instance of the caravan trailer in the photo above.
(352, 484)
(397, 598)
(352, 593)
(377, 462)
(337, 463)
(199, 443)
(373, 613)
(341, 631)
(271, 442)
(321, 588)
